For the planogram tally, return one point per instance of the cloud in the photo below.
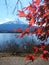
(5, 20)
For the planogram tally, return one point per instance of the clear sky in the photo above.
(6, 11)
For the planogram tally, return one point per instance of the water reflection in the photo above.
(12, 36)
(4, 37)
(7, 37)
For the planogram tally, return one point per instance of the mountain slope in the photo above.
(13, 25)
(10, 27)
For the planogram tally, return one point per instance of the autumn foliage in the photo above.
(37, 14)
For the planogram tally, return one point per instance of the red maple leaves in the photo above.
(45, 55)
(39, 15)
(18, 30)
(39, 48)
(31, 22)
(30, 57)
(37, 1)
(21, 14)
(26, 31)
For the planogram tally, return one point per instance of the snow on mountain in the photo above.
(11, 25)
(14, 25)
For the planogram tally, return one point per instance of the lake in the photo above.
(12, 36)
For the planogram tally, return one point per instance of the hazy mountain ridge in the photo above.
(11, 25)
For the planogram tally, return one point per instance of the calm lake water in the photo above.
(7, 37)
(12, 36)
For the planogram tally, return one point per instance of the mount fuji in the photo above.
(11, 25)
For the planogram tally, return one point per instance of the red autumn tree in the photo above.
(37, 14)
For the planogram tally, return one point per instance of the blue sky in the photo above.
(6, 13)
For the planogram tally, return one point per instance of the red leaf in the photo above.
(42, 46)
(36, 49)
(14, 30)
(31, 22)
(45, 55)
(30, 57)
(26, 30)
(22, 34)
(19, 30)
(47, 13)
(39, 30)
(37, 1)
(21, 14)
(28, 7)
(45, 52)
